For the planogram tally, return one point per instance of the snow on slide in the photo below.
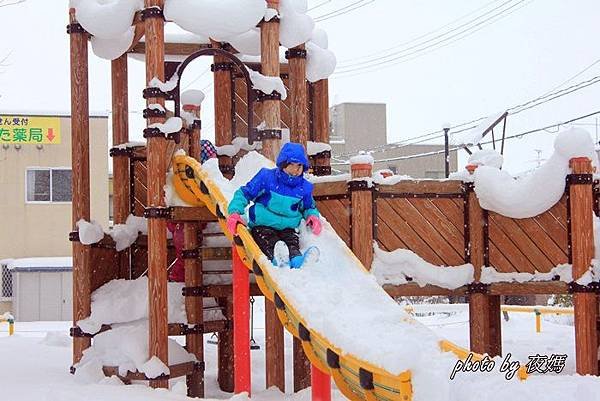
(337, 298)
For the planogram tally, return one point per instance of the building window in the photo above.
(6, 280)
(48, 185)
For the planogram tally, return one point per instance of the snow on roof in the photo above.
(41, 264)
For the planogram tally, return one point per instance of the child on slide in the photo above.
(281, 197)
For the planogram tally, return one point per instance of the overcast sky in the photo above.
(528, 50)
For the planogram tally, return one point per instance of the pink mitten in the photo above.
(232, 222)
(315, 223)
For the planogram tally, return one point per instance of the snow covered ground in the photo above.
(35, 365)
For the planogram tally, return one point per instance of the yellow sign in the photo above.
(29, 130)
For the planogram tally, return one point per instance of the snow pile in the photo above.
(217, 19)
(498, 191)
(395, 267)
(295, 27)
(490, 275)
(132, 144)
(113, 48)
(164, 86)
(106, 19)
(247, 42)
(486, 157)
(53, 261)
(313, 148)
(192, 96)
(173, 124)
(315, 179)
(126, 347)
(122, 301)
(474, 135)
(89, 232)
(266, 84)
(385, 179)
(126, 234)
(242, 143)
(320, 62)
(57, 339)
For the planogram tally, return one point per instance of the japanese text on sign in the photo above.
(29, 130)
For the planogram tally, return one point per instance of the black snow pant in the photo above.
(266, 238)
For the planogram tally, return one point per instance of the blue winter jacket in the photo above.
(280, 200)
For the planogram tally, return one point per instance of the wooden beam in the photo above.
(181, 213)
(225, 349)
(157, 227)
(173, 49)
(421, 187)
(361, 225)
(320, 115)
(581, 203)
(330, 188)
(541, 288)
(223, 108)
(194, 309)
(80, 179)
(120, 135)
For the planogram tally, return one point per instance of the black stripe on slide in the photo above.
(303, 332)
(237, 240)
(333, 359)
(279, 304)
(189, 172)
(203, 188)
(366, 379)
(255, 267)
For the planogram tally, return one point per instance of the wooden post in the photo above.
(222, 68)
(195, 135)
(274, 349)
(157, 227)
(582, 250)
(321, 123)
(361, 198)
(269, 53)
(120, 135)
(299, 94)
(299, 134)
(484, 309)
(80, 179)
(194, 307)
(225, 350)
(241, 324)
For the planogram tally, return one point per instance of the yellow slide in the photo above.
(356, 378)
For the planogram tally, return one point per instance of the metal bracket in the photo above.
(295, 53)
(227, 169)
(593, 287)
(193, 292)
(147, 113)
(154, 92)
(197, 124)
(579, 179)
(190, 253)
(76, 332)
(120, 152)
(153, 133)
(257, 135)
(261, 96)
(74, 236)
(477, 288)
(221, 67)
(359, 186)
(326, 154)
(195, 329)
(158, 212)
(152, 12)
(75, 27)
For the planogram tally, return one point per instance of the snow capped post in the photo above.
(582, 251)
(80, 181)
(361, 196)
(223, 79)
(153, 19)
(271, 142)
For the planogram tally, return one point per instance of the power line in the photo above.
(402, 58)
(344, 10)
(520, 135)
(343, 64)
(319, 5)
(512, 110)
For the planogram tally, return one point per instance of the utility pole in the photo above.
(446, 128)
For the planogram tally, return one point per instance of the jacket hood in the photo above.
(292, 153)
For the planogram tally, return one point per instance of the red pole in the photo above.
(321, 385)
(241, 325)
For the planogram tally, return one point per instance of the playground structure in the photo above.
(442, 222)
